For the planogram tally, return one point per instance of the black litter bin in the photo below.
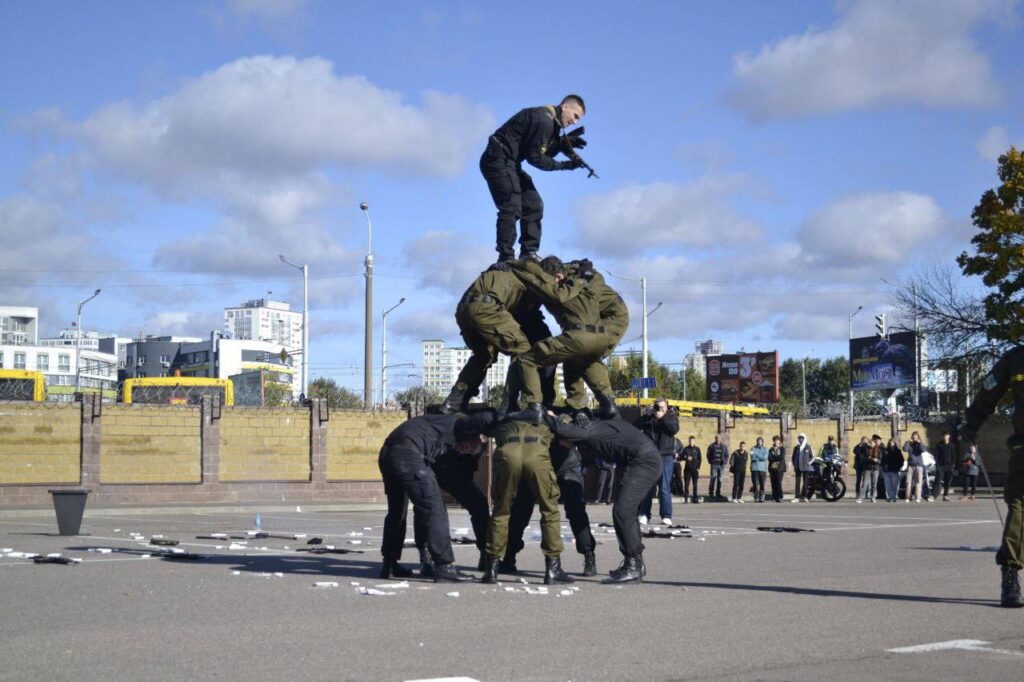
(69, 505)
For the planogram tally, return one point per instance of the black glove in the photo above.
(581, 419)
(575, 138)
(502, 266)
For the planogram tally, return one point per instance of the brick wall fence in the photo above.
(209, 454)
(202, 454)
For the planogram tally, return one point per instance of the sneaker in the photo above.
(795, 500)
(873, 500)
(643, 520)
(741, 501)
(859, 501)
(945, 499)
(929, 499)
(665, 521)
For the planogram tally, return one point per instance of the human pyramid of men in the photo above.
(538, 449)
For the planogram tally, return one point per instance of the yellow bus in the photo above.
(20, 384)
(687, 407)
(176, 390)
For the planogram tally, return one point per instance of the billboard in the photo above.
(877, 363)
(743, 378)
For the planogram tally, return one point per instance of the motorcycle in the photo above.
(826, 479)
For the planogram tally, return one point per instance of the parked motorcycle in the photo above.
(826, 478)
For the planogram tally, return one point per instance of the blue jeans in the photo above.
(892, 484)
(715, 482)
(664, 488)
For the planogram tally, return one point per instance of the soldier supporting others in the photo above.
(580, 346)
(523, 454)
(455, 474)
(1006, 375)
(405, 463)
(532, 136)
(497, 314)
(567, 463)
(628, 447)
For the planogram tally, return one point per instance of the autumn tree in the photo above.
(999, 250)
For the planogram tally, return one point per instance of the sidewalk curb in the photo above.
(197, 509)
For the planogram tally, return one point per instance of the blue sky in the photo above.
(765, 165)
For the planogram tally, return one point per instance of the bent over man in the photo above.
(532, 136)
(1006, 375)
(405, 463)
(620, 442)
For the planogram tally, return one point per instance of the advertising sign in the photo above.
(877, 363)
(743, 378)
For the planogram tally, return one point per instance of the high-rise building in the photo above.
(19, 326)
(261, 319)
(697, 361)
(441, 367)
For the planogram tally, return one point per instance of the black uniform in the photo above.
(567, 463)
(406, 462)
(946, 460)
(691, 459)
(617, 441)
(532, 136)
(455, 474)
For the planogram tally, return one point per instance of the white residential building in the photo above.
(19, 325)
(441, 367)
(264, 320)
(99, 370)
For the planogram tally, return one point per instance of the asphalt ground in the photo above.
(739, 604)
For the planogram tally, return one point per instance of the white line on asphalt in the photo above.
(958, 644)
(446, 679)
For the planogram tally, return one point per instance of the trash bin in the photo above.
(69, 505)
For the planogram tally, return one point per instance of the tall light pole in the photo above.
(384, 352)
(368, 321)
(305, 322)
(643, 292)
(859, 308)
(78, 343)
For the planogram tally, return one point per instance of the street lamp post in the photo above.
(643, 292)
(78, 343)
(859, 308)
(368, 314)
(384, 352)
(305, 322)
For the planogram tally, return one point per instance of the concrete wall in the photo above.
(264, 444)
(40, 443)
(354, 442)
(150, 444)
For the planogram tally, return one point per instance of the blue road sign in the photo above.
(640, 383)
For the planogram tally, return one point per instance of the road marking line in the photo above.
(446, 679)
(954, 644)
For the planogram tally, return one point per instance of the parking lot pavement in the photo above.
(884, 590)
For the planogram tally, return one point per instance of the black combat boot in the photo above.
(606, 407)
(482, 564)
(529, 255)
(453, 403)
(533, 414)
(553, 572)
(393, 569)
(1011, 598)
(630, 571)
(508, 564)
(447, 573)
(490, 572)
(426, 564)
(589, 564)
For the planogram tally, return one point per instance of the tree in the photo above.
(696, 386)
(276, 394)
(337, 397)
(999, 245)
(626, 368)
(419, 396)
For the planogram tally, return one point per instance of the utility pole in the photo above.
(917, 352)
(643, 293)
(859, 308)
(305, 323)
(368, 316)
(384, 353)
(78, 343)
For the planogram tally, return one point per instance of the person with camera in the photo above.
(661, 424)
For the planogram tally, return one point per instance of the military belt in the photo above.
(517, 439)
(593, 329)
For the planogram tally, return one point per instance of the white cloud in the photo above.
(870, 229)
(433, 323)
(446, 260)
(996, 141)
(267, 10)
(878, 53)
(654, 216)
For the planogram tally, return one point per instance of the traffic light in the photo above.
(880, 324)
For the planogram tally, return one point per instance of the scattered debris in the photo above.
(101, 550)
(236, 573)
(653, 532)
(6, 550)
(329, 549)
(162, 542)
(367, 528)
(784, 529)
(315, 541)
(325, 583)
(566, 593)
(451, 594)
(146, 556)
(235, 545)
(355, 542)
(393, 586)
(355, 534)
(51, 559)
(117, 530)
(464, 540)
(375, 593)
(213, 536)
(298, 508)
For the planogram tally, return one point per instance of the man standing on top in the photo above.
(532, 135)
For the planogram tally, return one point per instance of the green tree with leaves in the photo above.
(419, 395)
(999, 250)
(276, 394)
(337, 397)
